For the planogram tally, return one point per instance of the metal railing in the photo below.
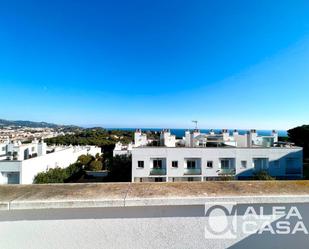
(157, 171)
(193, 171)
(227, 171)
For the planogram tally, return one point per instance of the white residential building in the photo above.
(19, 163)
(201, 157)
(121, 149)
(140, 139)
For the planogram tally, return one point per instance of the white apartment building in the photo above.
(19, 163)
(202, 157)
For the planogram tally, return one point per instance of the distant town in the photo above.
(26, 130)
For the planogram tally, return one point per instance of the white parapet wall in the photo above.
(162, 215)
(26, 170)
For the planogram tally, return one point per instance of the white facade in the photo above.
(200, 164)
(21, 162)
(200, 156)
(121, 149)
(140, 139)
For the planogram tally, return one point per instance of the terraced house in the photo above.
(211, 156)
(19, 163)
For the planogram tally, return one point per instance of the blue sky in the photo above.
(233, 64)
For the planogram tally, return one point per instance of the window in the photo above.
(13, 177)
(158, 179)
(175, 164)
(225, 164)
(260, 163)
(209, 164)
(3, 148)
(140, 164)
(244, 164)
(191, 164)
(190, 179)
(157, 164)
(32, 149)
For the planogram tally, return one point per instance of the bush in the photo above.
(85, 159)
(95, 165)
(56, 175)
(262, 175)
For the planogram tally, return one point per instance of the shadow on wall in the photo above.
(287, 167)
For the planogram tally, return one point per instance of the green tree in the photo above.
(95, 165)
(119, 168)
(300, 136)
(85, 160)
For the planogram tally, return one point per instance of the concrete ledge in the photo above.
(204, 200)
(93, 195)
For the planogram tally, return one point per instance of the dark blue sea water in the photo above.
(181, 132)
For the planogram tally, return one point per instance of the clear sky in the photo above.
(228, 64)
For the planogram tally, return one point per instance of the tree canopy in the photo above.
(94, 136)
(300, 136)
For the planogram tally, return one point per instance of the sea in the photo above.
(181, 132)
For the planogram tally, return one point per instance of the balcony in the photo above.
(157, 171)
(227, 171)
(193, 171)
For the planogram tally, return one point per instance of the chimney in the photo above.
(225, 134)
(139, 138)
(274, 133)
(187, 138)
(235, 133)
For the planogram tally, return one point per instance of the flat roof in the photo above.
(220, 147)
(43, 196)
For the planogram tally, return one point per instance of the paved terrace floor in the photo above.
(43, 196)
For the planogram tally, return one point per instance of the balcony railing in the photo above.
(157, 171)
(227, 172)
(194, 171)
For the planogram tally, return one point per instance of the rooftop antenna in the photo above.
(195, 122)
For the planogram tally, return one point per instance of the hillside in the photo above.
(32, 124)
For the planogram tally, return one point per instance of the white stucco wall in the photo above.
(31, 167)
(213, 154)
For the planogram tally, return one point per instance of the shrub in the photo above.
(95, 165)
(56, 175)
(262, 175)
